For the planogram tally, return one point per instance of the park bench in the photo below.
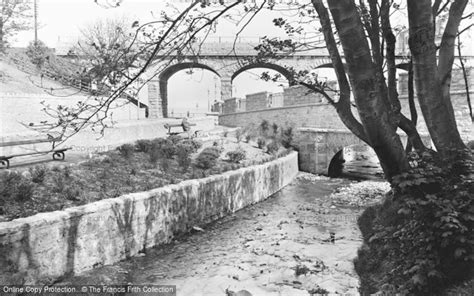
(178, 128)
(58, 153)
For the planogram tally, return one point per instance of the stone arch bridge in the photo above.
(227, 60)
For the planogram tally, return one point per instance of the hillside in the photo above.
(19, 75)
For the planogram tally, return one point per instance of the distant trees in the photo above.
(15, 16)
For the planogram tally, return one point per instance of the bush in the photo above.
(13, 186)
(275, 130)
(239, 134)
(161, 149)
(38, 173)
(264, 128)
(273, 147)
(195, 144)
(175, 139)
(126, 150)
(261, 142)
(38, 53)
(420, 240)
(143, 145)
(287, 137)
(208, 158)
(237, 155)
(183, 155)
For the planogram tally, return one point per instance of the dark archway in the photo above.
(336, 166)
(170, 71)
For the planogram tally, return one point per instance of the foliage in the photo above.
(194, 143)
(14, 17)
(264, 128)
(208, 158)
(143, 145)
(273, 147)
(38, 173)
(239, 134)
(126, 150)
(38, 53)
(237, 155)
(275, 130)
(420, 239)
(14, 186)
(261, 142)
(287, 136)
(183, 154)
(161, 149)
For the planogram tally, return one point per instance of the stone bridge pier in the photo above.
(320, 150)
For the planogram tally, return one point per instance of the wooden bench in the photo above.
(180, 126)
(58, 153)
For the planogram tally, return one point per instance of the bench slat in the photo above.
(24, 142)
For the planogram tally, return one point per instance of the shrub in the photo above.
(183, 155)
(239, 134)
(175, 139)
(126, 150)
(195, 144)
(161, 149)
(13, 186)
(38, 173)
(38, 53)
(261, 142)
(208, 158)
(237, 155)
(420, 239)
(264, 128)
(287, 137)
(273, 147)
(275, 130)
(143, 145)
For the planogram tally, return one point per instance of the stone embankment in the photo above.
(49, 246)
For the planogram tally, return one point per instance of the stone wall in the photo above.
(314, 115)
(257, 101)
(300, 95)
(234, 105)
(276, 100)
(47, 246)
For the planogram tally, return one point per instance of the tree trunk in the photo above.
(437, 110)
(374, 113)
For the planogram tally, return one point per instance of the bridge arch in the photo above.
(167, 73)
(280, 69)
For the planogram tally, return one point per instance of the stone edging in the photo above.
(48, 246)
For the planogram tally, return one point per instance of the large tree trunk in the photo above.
(436, 107)
(374, 113)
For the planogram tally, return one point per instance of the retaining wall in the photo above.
(48, 246)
